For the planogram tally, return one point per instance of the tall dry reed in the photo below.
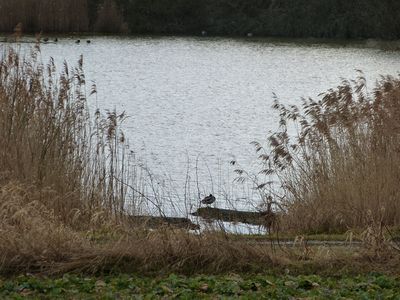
(50, 140)
(63, 169)
(65, 174)
(336, 161)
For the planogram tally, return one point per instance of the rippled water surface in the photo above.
(208, 98)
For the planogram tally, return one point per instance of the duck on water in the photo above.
(208, 200)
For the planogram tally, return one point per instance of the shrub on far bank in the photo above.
(44, 15)
(109, 19)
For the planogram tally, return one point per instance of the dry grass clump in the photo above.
(34, 239)
(341, 169)
(31, 236)
(61, 168)
(50, 141)
(172, 251)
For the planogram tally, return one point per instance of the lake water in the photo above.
(206, 99)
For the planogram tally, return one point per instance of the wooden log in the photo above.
(228, 215)
(152, 222)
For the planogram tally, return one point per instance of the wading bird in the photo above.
(208, 200)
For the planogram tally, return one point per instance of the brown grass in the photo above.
(50, 141)
(63, 184)
(341, 169)
(63, 187)
(33, 239)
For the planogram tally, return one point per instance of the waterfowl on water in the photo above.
(208, 200)
(250, 34)
(88, 41)
(77, 41)
(46, 39)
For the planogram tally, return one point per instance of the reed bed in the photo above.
(335, 162)
(34, 239)
(50, 141)
(67, 174)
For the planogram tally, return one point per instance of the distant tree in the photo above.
(109, 18)
(290, 18)
(44, 15)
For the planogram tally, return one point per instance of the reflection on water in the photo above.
(206, 99)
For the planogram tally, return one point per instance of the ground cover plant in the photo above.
(370, 286)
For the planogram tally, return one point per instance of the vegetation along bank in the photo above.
(284, 18)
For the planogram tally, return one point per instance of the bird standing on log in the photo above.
(208, 200)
